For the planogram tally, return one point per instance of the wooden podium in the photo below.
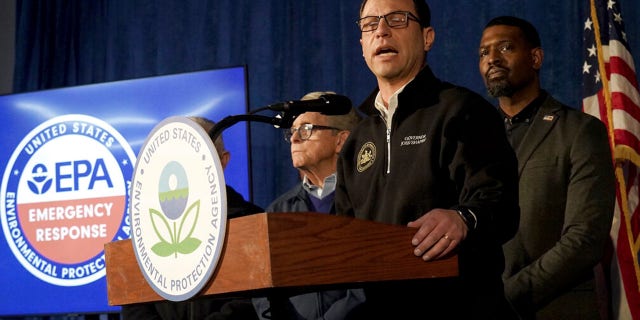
(298, 251)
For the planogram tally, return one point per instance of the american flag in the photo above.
(610, 91)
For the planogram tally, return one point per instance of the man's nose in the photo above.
(383, 28)
(295, 137)
(494, 57)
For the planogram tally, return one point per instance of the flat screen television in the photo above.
(67, 159)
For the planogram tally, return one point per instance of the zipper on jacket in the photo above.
(388, 150)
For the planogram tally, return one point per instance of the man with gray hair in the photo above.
(316, 140)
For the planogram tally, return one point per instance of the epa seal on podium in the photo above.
(178, 208)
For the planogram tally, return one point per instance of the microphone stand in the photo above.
(283, 120)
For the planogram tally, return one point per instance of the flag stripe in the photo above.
(621, 84)
(619, 49)
(622, 68)
(621, 102)
(591, 106)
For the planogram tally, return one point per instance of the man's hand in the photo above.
(439, 232)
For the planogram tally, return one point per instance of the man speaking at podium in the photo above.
(433, 156)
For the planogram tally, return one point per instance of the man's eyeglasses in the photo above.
(305, 131)
(396, 20)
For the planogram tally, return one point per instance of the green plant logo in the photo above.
(173, 225)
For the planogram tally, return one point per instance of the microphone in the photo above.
(327, 104)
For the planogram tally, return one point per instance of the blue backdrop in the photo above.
(289, 46)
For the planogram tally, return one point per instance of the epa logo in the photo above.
(40, 182)
(65, 194)
(178, 209)
(174, 226)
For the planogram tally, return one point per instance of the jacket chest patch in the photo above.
(413, 140)
(366, 156)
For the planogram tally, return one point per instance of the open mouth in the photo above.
(386, 51)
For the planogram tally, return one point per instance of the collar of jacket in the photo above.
(414, 91)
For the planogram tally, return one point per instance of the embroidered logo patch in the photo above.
(366, 156)
(413, 140)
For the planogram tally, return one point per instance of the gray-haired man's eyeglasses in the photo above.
(305, 131)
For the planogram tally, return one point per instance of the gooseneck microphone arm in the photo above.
(327, 104)
(283, 121)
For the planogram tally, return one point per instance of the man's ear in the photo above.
(537, 56)
(429, 36)
(342, 137)
(224, 158)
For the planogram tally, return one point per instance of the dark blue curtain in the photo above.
(290, 47)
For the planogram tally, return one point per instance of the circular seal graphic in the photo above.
(366, 156)
(178, 208)
(64, 195)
